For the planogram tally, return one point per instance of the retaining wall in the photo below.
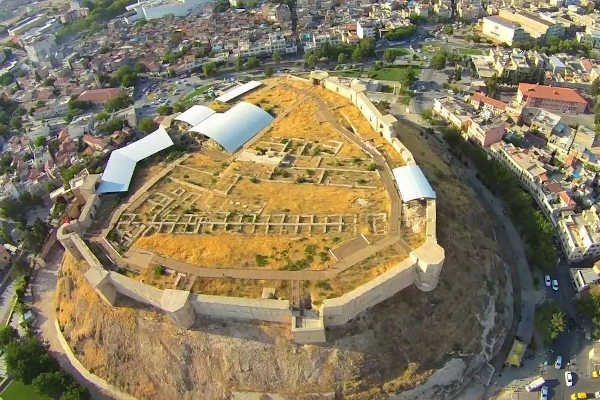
(341, 309)
(242, 308)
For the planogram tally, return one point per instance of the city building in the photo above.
(552, 98)
(538, 28)
(503, 30)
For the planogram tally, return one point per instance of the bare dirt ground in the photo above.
(393, 347)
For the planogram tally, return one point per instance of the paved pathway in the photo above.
(44, 292)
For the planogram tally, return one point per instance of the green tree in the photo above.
(75, 393)
(117, 103)
(4, 130)
(239, 64)
(209, 69)
(389, 55)
(595, 87)
(557, 324)
(438, 60)
(252, 63)
(357, 54)
(110, 126)
(147, 125)
(101, 116)
(341, 58)
(39, 141)
(51, 384)
(6, 79)
(165, 109)
(268, 71)
(276, 57)
(15, 122)
(34, 236)
(7, 335)
(26, 359)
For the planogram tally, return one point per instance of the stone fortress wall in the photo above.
(422, 268)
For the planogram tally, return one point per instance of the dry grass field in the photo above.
(308, 199)
(246, 251)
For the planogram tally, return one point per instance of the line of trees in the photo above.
(535, 229)
(401, 33)
(341, 52)
(28, 361)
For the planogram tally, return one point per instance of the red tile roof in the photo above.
(99, 95)
(480, 97)
(551, 93)
(567, 199)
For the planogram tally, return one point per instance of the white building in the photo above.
(365, 28)
(154, 9)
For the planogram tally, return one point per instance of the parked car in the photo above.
(568, 378)
(544, 393)
(555, 285)
(580, 395)
(558, 362)
(597, 395)
(547, 281)
(595, 373)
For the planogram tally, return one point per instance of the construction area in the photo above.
(305, 194)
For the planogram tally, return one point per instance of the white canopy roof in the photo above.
(412, 183)
(194, 115)
(121, 164)
(238, 91)
(236, 126)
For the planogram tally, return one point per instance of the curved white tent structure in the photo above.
(121, 164)
(194, 115)
(412, 183)
(236, 126)
(237, 91)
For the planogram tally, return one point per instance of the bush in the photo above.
(147, 125)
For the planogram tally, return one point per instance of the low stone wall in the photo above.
(96, 380)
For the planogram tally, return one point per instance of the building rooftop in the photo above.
(551, 93)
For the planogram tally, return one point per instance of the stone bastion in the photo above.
(422, 267)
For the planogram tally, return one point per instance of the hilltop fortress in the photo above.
(412, 207)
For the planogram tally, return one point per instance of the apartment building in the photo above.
(580, 234)
(503, 30)
(538, 28)
(454, 111)
(486, 129)
(552, 98)
(366, 28)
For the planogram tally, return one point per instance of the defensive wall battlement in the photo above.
(422, 268)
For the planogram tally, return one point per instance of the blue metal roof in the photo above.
(412, 183)
(121, 164)
(236, 126)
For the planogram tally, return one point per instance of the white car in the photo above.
(568, 378)
(555, 285)
(547, 281)
(544, 393)
(558, 362)
(597, 395)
